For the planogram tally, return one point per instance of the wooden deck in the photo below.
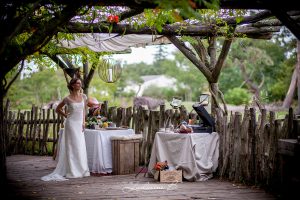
(24, 174)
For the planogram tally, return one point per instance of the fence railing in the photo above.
(248, 141)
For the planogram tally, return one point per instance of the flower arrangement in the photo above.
(160, 166)
(91, 121)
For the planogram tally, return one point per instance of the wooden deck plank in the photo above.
(24, 174)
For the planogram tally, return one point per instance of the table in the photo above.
(99, 149)
(196, 154)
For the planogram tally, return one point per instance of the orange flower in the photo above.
(113, 19)
(110, 18)
(160, 165)
(116, 19)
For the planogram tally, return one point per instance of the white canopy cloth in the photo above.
(104, 42)
(196, 154)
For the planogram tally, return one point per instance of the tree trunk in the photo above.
(214, 99)
(253, 88)
(298, 92)
(290, 93)
(298, 76)
(85, 75)
(2, 137)
(295, 82)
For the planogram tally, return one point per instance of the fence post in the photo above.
(252, 143)
(162, 122)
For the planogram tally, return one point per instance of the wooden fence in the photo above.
(249, 145)
(248, 141)
(27, 132)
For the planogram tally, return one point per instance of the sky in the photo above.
(138, 54)
(142, 54)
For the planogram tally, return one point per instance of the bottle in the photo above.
(99, 122)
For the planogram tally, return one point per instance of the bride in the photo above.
(72, 159)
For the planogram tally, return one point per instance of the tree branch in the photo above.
(191, 56)
(90, 75)
(262, 81)
(14, 78)
(130, 13)
(252, 87)
(223, 101)
(201, 50)
(16, 26)
(212, 49)
(224, 52)
(215, 98)
(290, 23)
(38, 39)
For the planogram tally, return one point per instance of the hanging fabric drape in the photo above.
(102, 42)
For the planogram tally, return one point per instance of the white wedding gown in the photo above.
(72, 159)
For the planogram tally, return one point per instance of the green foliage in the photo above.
(260, 57)
(230, 78)
(157, 18)
(185, 8)
(277, 90)
(104, 91)
(263, 60)
(237, 96)
(160, 92)
(161, 53)
(189, 77)
(180, 68)
(39, 88)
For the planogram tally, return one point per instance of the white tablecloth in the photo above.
(196, 154)
(99, 149)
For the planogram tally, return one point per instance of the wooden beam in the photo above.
(224, 4)
(287, 21)
(259, 4)
(192, 30)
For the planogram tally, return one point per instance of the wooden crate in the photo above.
(125, 154)
(172, 176)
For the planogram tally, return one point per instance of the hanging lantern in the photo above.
(204, 99)
(176, 102)
(109, 70)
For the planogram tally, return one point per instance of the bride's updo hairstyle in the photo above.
(72, 82)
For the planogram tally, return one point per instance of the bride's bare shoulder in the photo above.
(66, 99)
(84, 97)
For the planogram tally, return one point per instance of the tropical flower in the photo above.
(159, 166)
(113, 19)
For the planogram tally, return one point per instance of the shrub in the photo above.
(237, 96)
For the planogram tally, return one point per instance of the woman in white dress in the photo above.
(72, 159)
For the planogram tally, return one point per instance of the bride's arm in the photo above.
(84, 111)
(83, 123)
(59, 109)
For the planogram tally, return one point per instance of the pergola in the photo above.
(287, 14)
(260, 25)
(263, 20)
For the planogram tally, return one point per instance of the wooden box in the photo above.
(172, 176)
(125, 155)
